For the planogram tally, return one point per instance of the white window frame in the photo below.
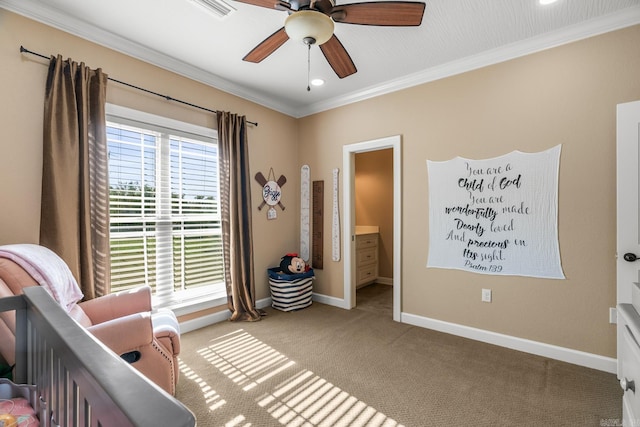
(183, 302)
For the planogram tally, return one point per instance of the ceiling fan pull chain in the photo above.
(309, 67)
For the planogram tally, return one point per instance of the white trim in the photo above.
(204, 321)
(263, 303)
(195, 304)
(614, 21)
(51, 17)
(222, 316)
(627, 190)
(211, 319)
(348, 235)
(576, 357)
(589, 360)
(385, 280)
(328, 300)
(113, 110)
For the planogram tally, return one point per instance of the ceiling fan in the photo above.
(312, 21)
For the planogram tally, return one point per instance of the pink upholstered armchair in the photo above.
(124, 322)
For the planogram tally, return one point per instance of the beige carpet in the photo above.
(323, 366)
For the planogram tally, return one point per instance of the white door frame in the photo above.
(348, 176)
(628, 231)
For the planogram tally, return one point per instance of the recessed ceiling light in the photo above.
(545, 2)
(317, 82)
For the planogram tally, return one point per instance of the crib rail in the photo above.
(79, 380)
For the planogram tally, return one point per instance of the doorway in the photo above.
(373, 196)
(349, 153)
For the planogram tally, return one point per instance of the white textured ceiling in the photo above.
(455, 36)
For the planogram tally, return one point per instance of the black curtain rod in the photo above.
(167, 97)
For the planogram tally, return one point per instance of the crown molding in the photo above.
(55, 19)
(615, 21)
(51, 17)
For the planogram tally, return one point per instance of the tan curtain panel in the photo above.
(235, 200)
(74, 218)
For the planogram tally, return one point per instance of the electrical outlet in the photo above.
(486, 295)
(613, 315)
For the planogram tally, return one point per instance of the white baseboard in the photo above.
(210, 319)
(385, 280)
(263, 303)
(333, 301)
(564, 354)
(203, 321)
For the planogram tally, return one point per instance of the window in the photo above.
(164, 207)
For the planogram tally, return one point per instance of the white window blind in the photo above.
(164, 207)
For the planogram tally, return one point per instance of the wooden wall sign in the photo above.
(335, 221)
(318, 224)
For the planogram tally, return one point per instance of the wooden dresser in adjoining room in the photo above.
(366, 255)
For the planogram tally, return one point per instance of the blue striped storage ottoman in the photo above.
(290, 291)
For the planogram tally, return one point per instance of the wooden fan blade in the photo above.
(267, 46)
(338, 57)
(324, 6)
(385, 13)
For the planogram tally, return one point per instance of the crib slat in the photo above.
(80, 381)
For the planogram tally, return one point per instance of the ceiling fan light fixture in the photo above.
(309, 24)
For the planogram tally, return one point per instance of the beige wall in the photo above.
(373, 184)
(566, 95)
(273, 143)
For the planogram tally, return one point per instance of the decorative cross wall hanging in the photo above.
(271, 192)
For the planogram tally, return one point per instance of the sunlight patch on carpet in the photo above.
(303, 398)
(237, 421)
(212, 398)
(244, 359)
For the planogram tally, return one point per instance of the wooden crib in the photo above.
(78, 380)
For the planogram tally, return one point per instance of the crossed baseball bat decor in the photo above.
(271, 190)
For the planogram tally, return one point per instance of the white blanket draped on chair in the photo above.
(48, 269)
